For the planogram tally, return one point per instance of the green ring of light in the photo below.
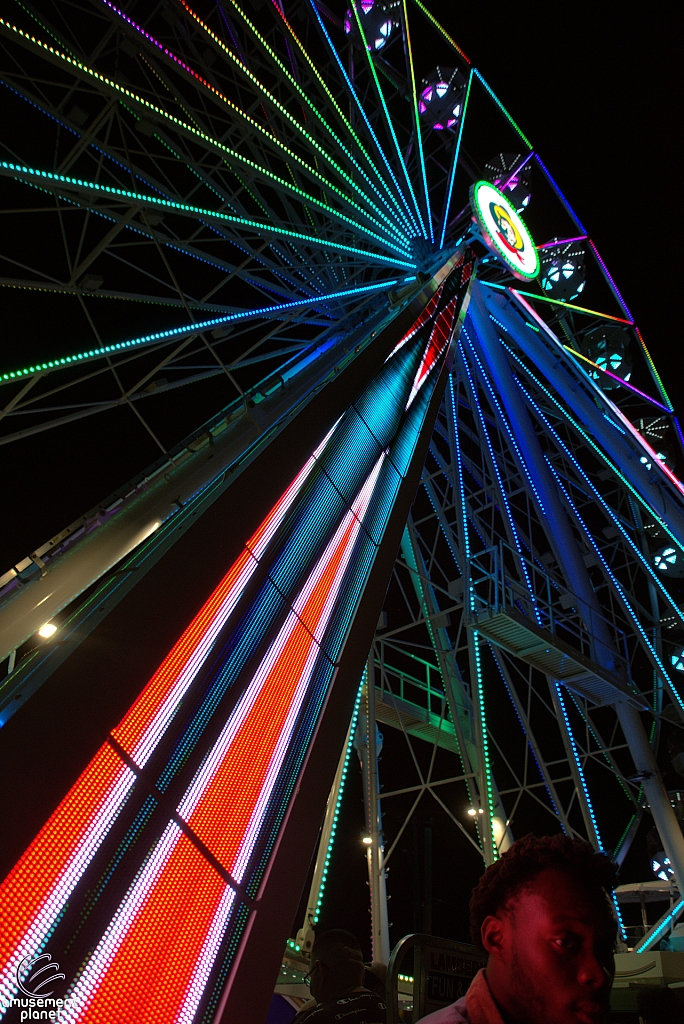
(519, 222)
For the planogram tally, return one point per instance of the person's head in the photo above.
(659, 1006)
(336, 965)
(543, 915)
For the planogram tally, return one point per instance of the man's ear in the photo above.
(493, 934)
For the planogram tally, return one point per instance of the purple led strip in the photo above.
(516, 171)
(611, 282)
(562, 241)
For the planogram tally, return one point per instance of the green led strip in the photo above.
(381, 96)
(431, 18)
(416, 116)
(295, 124)
(558, 302)
(504, 111)
(333, 830)
(186, 208)
(44, 27)
(489, 783)
(160, 112)
(307, 99)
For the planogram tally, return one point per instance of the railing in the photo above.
(501, 580)
(425, 693)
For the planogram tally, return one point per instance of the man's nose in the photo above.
(593, 971)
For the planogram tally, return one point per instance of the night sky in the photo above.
(593, 87)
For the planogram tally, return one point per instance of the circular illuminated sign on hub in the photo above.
(503, 230)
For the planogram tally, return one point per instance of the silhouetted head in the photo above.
(336, 965)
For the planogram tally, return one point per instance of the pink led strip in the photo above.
(620, 415)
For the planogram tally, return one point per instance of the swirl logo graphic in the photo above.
(32, 977)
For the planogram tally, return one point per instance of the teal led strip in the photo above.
(338, 802)
(307, 99)
(454, 166)
(195, 328)
(416, 121)
(664, 925)
(232, 154)
(197, 211)
(476, 642)
(381, 97)
(503, 110)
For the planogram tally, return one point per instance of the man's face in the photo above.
(551, 954)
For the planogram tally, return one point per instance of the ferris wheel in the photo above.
(367, 366)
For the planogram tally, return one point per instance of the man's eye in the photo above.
(568, 943)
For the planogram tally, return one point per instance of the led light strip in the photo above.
(628, 427)
(271, 139)
(345, 121)
(195, 328)
(101, 791)
(186, 209)
(431, 18)
(454, 162)
(416, 121)
(624, 383)
(503, 109)
(268, 709)
(557, 302)
(198, 134)
(363, 114)
(371, 66)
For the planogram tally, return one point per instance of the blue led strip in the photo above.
(454, 165)
(636, 551)
(410, 224)
(619, 526)
(185, 209)
(578, 765)
(592, 444)
(489, 782)
(568, 209)
(195, 328)
(625, 602)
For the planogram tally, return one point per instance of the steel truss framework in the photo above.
(209, 206)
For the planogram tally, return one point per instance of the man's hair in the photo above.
(524, 861)
(336, 946)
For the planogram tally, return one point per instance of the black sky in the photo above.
(595, 88)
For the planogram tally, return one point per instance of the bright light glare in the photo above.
(367, 841)
(472, 812)
(48, 630)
